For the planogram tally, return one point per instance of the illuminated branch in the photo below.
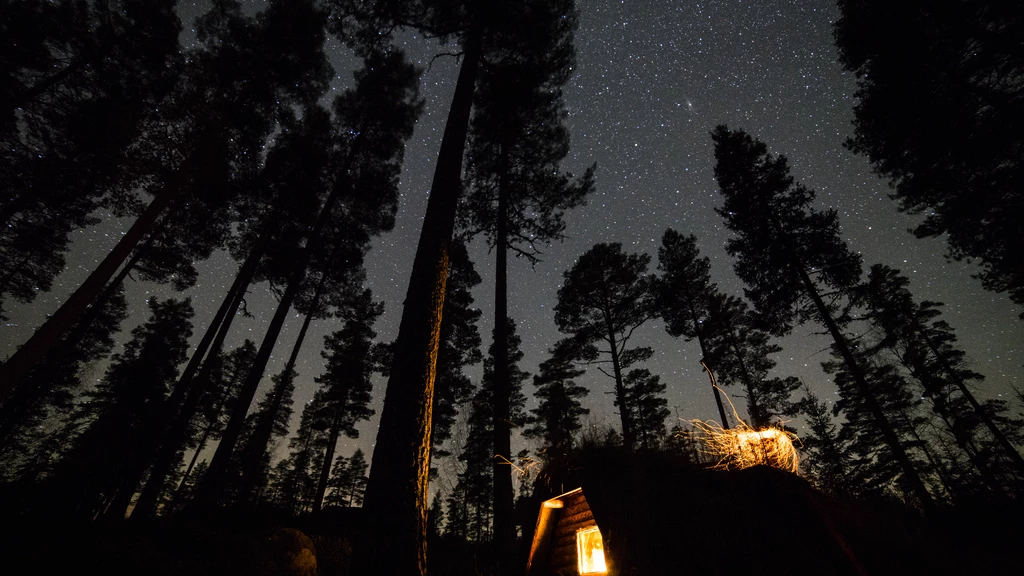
(743, 447)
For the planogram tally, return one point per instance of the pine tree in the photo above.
(606, 296)
(356, 470)
(435, 518)
(340, 484)
(741, 354)
(780, 242)
(873, 467)
(398, 487)
(274, 219)
(556, 419)
(294, 483)
(457, 517)
(216, 406)
(346, 382)
(459, 348)
(731, 345)
(476, 481)
(938, 113)
(374, 120)
(50, 390)
(827, 463)
(79, 80)
(684, 291)
(926, 346)
(250, 469)
(516, 195)
(99, 475)
(256, 61)
(648, 407)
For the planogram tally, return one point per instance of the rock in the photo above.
(287, 552)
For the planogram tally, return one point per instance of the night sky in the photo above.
(653, 78)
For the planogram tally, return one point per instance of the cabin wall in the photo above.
(575, 515)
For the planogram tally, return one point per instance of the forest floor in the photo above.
(982, 539)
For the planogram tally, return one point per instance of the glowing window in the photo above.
(590, 551)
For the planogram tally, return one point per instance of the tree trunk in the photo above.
(865, 391)
(628, 438)
(504, 528)
(177, 431)
(758, 419)
(28, 395)
(963, 441)
(192, 463)
(260, 439)
(1011, 452)
(325, 466)
(396, 493)
(214, 483)
(43, 340)
(704, 352)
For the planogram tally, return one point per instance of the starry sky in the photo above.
(653, 78)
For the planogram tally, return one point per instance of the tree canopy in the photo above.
(939, 113)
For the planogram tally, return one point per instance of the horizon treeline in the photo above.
(237, 145)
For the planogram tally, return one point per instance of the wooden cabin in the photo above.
(567, 539)
(622, 514)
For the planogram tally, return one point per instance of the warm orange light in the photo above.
(590, 551)
(743, 447)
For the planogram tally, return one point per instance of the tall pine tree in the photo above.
(99, 474)
(780, 242)
(926, 346)
(556, 419)
(939, 113)
(517, 194)
(606, 296)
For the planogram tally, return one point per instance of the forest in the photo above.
(333, 287)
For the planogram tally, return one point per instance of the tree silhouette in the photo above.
(459, 347)
(215, 407)
(27, 417)
(556, 419)
(346, 381)
(516, 193)
(938, 113)
(399, 472)
(827, 465)
(100, 473)
(295, 478)
(476, 481)
(780, 242)
(256, 61)
(873, 467)
(379, 115)
(338, 291)
(741, 353)
(80, 79)
(606, 296)
(648, 408)
(684, 291)
(276, 219)
(348, 480)
(926, 346)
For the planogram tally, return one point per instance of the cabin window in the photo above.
(590, 551)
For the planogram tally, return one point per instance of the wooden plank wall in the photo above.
(575, 515)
